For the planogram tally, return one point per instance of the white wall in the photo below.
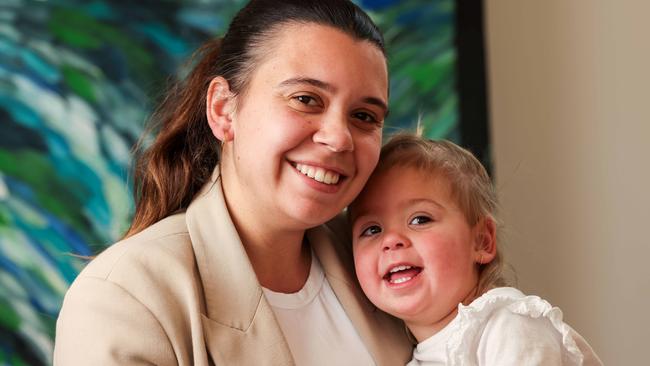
(570, 114)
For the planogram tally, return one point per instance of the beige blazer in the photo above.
(183, 292)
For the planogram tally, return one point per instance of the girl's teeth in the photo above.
(318, 174)
(401, 280)
(399, 268)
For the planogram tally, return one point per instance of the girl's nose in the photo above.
(395, 242)
(334, 133)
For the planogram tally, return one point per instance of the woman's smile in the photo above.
(319, 174)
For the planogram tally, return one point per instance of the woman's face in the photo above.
(307, 131)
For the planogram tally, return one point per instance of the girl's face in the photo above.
(415, 254)
(306, 133)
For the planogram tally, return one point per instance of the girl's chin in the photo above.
(408, 311)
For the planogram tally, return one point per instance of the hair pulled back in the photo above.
(181, 158)
(469, 183)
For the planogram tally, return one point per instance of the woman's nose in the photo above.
(334, 132)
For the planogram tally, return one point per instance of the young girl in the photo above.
(228, 260)
(425, 250)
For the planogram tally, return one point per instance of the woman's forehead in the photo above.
(323, 53)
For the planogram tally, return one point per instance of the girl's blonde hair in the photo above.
(471, 186)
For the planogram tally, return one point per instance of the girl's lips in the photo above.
(397, 267)
(401, 273)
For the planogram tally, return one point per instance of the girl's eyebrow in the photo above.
(330, 88)
(367, 211)
(356, 216)
(424, 200)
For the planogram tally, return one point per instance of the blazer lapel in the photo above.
(239, 325)
(384, 337)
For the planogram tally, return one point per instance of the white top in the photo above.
(315, 325)
(504, 327)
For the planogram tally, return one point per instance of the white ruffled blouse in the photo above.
(505, 327)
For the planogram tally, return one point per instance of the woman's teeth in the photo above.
(318, 174)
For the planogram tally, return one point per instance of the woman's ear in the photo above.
(220, 108)
(485, 248)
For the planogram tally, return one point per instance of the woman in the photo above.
(229, 260)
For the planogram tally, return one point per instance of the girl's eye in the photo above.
(371, 230)
(420, 220)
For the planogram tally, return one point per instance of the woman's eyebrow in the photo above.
(377, 102)
(310, 81)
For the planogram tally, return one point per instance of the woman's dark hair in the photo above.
(171, 171)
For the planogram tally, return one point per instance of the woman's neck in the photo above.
(281, 259)
(279, 266)
(279, 256)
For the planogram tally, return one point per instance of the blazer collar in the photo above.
(232, 293)
(237, 315)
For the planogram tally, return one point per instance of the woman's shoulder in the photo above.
(138, 285)
(163, 247)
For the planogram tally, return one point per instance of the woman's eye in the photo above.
(365, 117)
(306, 100)
(420, 220)
(371, 230)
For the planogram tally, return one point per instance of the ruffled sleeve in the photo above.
(505, 327)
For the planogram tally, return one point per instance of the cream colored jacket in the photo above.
(183, 292)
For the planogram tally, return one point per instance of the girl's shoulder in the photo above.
(504, 323)
(508, 300)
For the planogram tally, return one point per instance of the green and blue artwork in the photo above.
(77, 82)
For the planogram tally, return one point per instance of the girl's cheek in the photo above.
(449, 261)
(365, 266)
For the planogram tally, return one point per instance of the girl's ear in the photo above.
(485, 247)
(220, 108)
